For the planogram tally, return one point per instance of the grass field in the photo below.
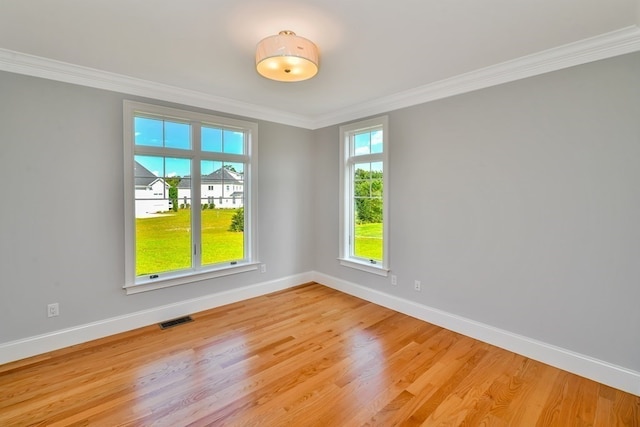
(368, 241)
(163, 243)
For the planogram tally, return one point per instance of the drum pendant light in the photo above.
(287, 57)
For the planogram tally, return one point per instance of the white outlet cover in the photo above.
(53, 310)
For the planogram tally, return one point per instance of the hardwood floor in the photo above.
(307, 356)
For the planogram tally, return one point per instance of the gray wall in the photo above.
(61, 219)
(517, 206)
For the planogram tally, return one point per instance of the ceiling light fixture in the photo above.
(287, 57)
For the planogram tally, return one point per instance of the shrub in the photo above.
(237, 220)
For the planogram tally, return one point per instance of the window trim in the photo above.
(134, 284)
(347, 212)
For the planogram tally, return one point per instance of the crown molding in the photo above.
(608, 45)
(31, 65)
(619, 42)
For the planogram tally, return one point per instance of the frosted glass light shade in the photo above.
(287, 57)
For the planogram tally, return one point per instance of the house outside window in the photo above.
(364, 187)
(174, 155)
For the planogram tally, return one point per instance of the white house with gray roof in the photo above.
(223, 188)
(151, 192)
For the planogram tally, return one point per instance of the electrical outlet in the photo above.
(417, 286)
(394, 280)
(53, 310)
(263, 268)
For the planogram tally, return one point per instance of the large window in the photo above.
(189, 196)
(363, 195)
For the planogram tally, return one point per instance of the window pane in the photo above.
(369, 142)
(176, 167)
(177, 135)
(207, 167)
(362, 143)
(211, 139)
(160, 133)
(233, 142)
(376, 179)
(362, 171)
(222, 193)
(376, 141)
(146, 167)
(367, 203)
(162, 237)
(148, 132)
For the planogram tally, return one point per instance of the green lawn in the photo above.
(163, 243)
(368, 242)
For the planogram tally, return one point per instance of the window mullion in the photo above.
(367, 158)
(224, 157)
(352, 207)
(196, 199)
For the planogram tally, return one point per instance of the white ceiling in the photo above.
(370, 50)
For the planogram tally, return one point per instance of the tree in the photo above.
(237, 220)
(368, 196)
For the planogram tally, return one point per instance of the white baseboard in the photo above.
(27, 347)
(589, 367)
(579, 364)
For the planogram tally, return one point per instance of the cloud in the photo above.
(376, 137)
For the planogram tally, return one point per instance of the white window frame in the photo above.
(347, 210)
(250, 262)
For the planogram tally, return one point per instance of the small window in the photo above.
(363, 196)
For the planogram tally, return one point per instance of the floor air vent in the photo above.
(175, 322)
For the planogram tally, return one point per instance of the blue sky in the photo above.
(176, 135)
(171, 166)
(368, 142)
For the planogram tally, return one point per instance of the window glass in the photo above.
(362, 143)
(177, 135)
(223, 214)
(161, 133)
(376, 141)
(162, 239)
(148, 132)
(368, 221)
(211, 139)
(233, 142)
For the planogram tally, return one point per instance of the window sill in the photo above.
(380, 270)
(184, 278)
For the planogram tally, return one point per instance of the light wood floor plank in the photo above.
(306, 356)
